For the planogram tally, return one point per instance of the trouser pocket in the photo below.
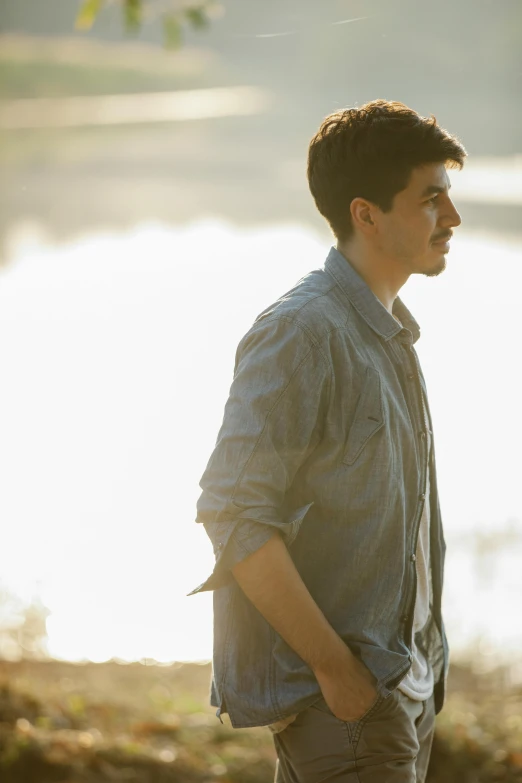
(323, 707)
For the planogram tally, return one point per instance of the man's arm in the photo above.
(273, 420)
(271, 581)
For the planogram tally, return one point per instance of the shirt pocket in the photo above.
(368, 418)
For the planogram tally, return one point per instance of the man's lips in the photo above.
(442, 243)
(443, 240)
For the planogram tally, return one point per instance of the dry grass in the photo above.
(97, 723)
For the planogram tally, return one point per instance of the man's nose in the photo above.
(452, 217)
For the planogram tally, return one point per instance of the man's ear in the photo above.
(362, 212)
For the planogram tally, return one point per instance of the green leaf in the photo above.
(87, 13)
(197, 17)
(172, 32)
(133, 15)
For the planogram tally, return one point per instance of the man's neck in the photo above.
(381, 275)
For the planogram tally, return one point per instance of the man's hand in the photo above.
(348, 687)
(270, 580)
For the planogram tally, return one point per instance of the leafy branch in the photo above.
(196, 15)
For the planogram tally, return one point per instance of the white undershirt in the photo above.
(418, 682)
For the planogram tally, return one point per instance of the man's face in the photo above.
(415, 232)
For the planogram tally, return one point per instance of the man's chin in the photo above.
(436, 269)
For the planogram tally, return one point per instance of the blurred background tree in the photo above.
(23, 627)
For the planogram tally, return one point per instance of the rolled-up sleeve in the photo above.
(272, 421)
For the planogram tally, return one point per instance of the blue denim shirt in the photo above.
(324, 440)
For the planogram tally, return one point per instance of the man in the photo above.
(320, 497)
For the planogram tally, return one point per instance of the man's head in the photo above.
(378, 175)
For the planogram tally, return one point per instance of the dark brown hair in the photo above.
(370, 153)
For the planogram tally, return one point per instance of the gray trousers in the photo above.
(391, 743)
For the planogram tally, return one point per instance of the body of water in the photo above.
(117, 354)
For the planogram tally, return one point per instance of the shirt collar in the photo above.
(366, 303)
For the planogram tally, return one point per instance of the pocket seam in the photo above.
(359, 412)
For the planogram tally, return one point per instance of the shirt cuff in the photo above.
(235, 540)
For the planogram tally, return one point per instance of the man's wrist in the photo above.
(335, 659)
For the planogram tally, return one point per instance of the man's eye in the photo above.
(433, 199)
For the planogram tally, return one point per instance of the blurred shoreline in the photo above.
(247, 170)
(69, 202)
